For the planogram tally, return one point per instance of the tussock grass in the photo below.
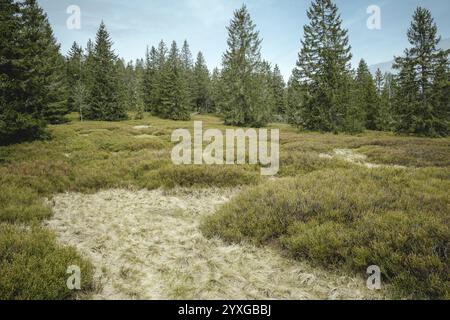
(353, 218)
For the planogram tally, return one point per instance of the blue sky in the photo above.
(134, 24)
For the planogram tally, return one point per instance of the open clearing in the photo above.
(147, 245)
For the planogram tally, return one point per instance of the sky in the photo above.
(136, 24)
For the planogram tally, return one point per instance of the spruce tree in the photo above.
(123, 83)
(32, 89)
(19, 121)
(104, 101)
(175, 102)
(150, 79)
(440, 99)
(265, 90)
(383, 87)
(323, 69)
(201, 85)
(295, 96)
(216, 91)
(379, 80)
(406, 96)
(415, 111)
(188, 69)
(45, 85)
(242, 103)
(278, 85)
(74, 74)
(366, 96)
(158, 83)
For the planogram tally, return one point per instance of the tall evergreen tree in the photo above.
(19, 121)
(323, 69)
(157, 91)
(379, 80)
(45, 85)
(201, 85)
(123, 79)
(74, 75)
(216, 90)
(415, 111)
(150, 78)
(266, 90)
(406, 96)
(383, 87)
(188, 69)
(32, 89)
(295, 96)
(242, 102)
(104, 95)
(174, 90)
(366, 96)
(278, 85)
(441, 93)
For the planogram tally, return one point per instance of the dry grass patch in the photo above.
(147, 245)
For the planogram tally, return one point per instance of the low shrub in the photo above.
(352, 218)
(34, 267)
(21, 205)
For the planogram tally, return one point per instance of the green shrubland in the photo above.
(353, 218)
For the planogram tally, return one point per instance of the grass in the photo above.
(91, 156)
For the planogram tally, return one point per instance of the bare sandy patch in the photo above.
(145, 136)
(355, 158)
(143, 127)
(147, 245)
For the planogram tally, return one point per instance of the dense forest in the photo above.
(39, 85)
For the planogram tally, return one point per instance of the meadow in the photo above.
(340, 202)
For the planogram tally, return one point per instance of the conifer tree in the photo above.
(323, 69)
(201, 85)
(266, 91)
(242, 103)
(45, 85)
(385, 120)
(74, 75)
(415, 111)
(174, 90)
(406, 96)
(379, 80)
(159, 67)
(441, 94)
(366, 96)
(216, 90)
(295, 96)
(383, 87)
(32, 87)
(150, 79)
(188, 69)
(104, 96)
(278, 91)
(19, 121)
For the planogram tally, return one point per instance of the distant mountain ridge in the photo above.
(387, 66)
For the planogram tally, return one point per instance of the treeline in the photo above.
(324, 93)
